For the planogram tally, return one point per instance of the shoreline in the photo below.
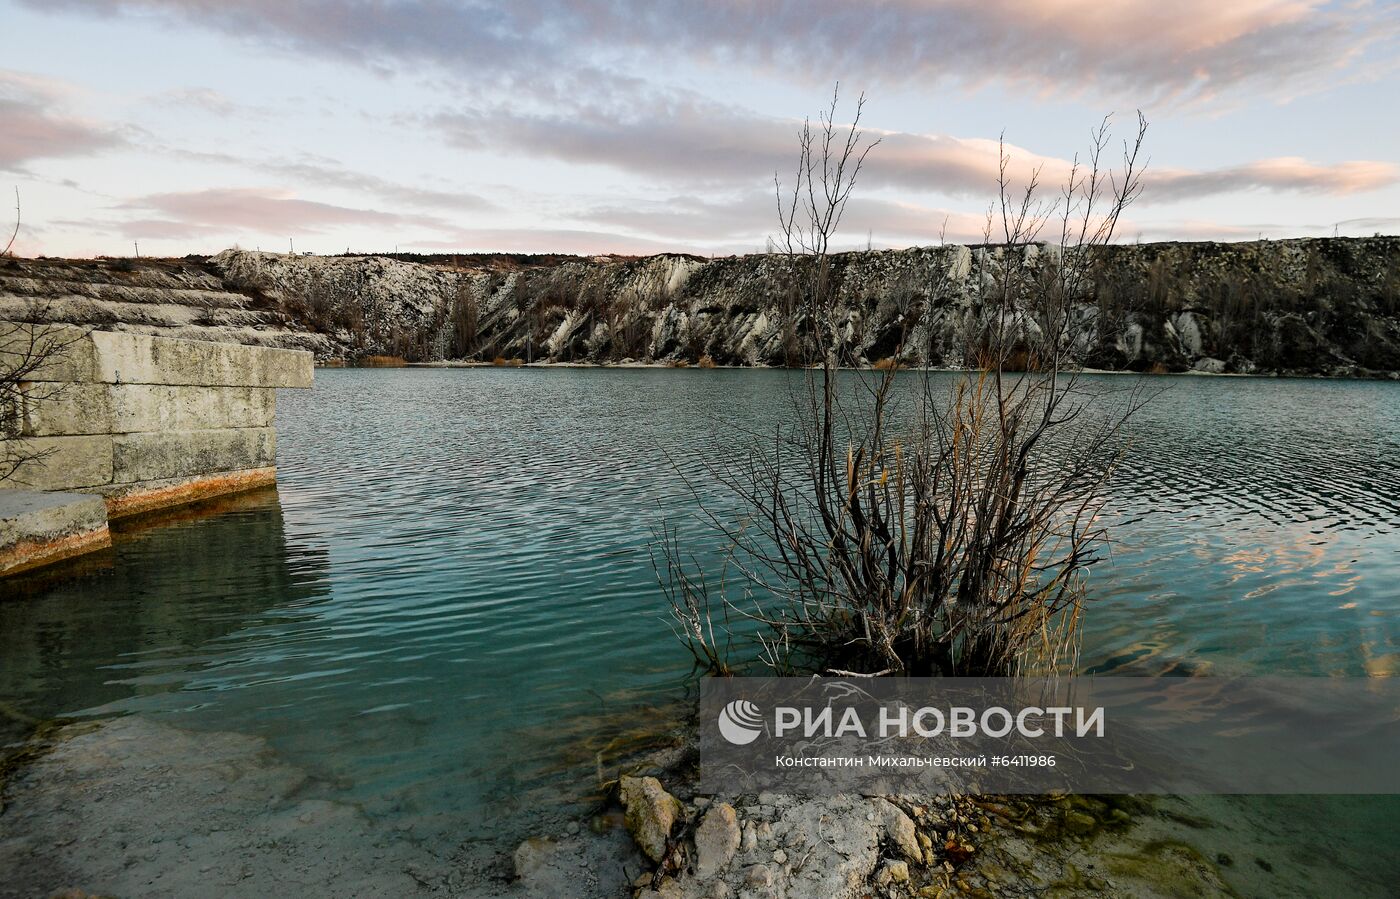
(1379, 376)
(134, 805)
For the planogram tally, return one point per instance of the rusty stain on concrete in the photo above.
(27, 554)
(194, 490)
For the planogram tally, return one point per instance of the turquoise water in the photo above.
(449, 599)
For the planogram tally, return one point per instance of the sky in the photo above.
(637, 126)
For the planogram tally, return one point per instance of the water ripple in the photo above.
(451, 590)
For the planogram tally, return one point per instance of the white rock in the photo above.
(716, 840)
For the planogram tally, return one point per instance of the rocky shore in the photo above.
(135, 806)
(1307, 307)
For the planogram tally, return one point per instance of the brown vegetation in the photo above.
(901, 528)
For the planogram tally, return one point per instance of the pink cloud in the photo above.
(30, 129)
(1284, 173)
(697, 141)
(261, 211)
(1145, 50)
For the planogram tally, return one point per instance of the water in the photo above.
(449, 603)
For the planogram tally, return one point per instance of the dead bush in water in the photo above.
(900, 525)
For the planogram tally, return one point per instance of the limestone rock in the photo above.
(1164, 306)
(532, 855)
(899, 829)
(651, 814)
(716, 839)
(893, 872)
(758, 876)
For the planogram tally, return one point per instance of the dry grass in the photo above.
(383, 362)
(706, 361)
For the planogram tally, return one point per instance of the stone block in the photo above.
(121, 358)
(146, 496)
(177, 454)
(39, 528)
(150, 407)
(47, 352)
(59, 463)
(54, 409)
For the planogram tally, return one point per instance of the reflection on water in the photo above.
(1262, 531)
(455, 584)
(115, 630)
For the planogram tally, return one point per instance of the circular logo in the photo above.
(740, 722)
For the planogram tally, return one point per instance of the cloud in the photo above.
(254, 210)
(206, 100)
(30, 130)
(332, 175)
(745, 222)
(674, 137)
(580, 241)
(689, 140)
(1286, 173)
(1144, 50)
(1364, 226)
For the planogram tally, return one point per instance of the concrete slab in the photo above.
(38, 528)
(54, 409)
(147, 496)
(64, 351)
(60, 463)
(141, 359)
(180, 454)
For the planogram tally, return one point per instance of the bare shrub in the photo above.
(14, 234)
(29, 350)
(902, 524)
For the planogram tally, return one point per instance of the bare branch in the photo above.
(14, 235)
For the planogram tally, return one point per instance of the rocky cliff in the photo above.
(1310, 307)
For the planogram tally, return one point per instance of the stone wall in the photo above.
(148, 422)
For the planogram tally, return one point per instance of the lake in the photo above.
(448, 605)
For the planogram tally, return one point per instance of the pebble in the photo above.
(893, 872)
(758, 876)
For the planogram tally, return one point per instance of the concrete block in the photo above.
(150, 407)
(39, 528)
(47, 352)
(177, 454)
(53, 409)
(60, 463)
(143, 359)
(147, 496)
